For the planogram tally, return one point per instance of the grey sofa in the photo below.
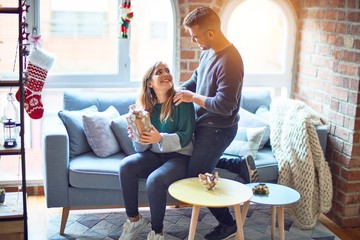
(88, 181)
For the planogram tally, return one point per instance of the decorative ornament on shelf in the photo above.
(10, 121)
(125, 19)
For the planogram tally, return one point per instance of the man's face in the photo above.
(200, 36)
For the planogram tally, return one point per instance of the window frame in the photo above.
(119, 79)
(278, 80)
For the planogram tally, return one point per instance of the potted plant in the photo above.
(2, 195)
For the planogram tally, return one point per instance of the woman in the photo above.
(162, 153)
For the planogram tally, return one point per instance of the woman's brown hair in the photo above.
(147, 97)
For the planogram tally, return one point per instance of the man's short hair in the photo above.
(204, 17)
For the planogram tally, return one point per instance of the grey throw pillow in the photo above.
(74, 126)
(119, 126)
(99, 134)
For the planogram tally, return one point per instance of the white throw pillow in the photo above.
(246, 142)
(99, 134)
(250, 120)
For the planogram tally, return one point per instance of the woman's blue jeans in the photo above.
(160, 170)
(210, 144)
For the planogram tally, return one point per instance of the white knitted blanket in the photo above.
(301, 162)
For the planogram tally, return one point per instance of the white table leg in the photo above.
(273, 221)
(239, 223)
(193, 222)
(280, 212)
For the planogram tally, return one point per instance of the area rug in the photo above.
(108, 225)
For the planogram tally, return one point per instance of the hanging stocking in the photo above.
(39, 63)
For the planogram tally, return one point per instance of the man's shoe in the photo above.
(131, 230)
(153, 236)
(221, 231)
(253, 173)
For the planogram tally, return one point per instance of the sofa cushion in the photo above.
(252, 100)
(74, 126)
(263, 112)
(250, 120)
(99, 134)
(246, 142)
(89, 171)
(266, 165)
(76, 100)
(120, 128)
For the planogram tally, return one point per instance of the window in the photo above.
(264, 33)
(83, 35)
(152, 36)
(78, 24)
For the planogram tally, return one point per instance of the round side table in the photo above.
(278, 197)
(226, 193)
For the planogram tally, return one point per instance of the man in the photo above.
(215, 88)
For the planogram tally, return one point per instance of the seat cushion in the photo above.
(91, 172)
(267, 165)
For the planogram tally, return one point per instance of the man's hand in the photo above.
(188, 97)
(183, 96)
(152, 136)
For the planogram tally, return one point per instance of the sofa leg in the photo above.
(64, 218)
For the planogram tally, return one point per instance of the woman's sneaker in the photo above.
(131, 230)
(153, 236)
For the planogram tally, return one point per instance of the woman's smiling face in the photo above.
(161, 79)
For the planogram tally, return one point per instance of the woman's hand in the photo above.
(152, 136)
(130, 134)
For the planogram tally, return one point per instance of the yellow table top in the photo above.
(226, 193)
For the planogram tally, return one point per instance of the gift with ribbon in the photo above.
(138, 120)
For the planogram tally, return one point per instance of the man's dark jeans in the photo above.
(210, 144)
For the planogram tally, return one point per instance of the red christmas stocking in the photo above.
(39, 64)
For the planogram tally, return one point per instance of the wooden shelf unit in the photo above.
(13, 225)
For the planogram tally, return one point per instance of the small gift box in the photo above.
(138, 120)
(209, 180)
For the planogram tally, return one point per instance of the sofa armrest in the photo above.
(56, 160)
(322, 134)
